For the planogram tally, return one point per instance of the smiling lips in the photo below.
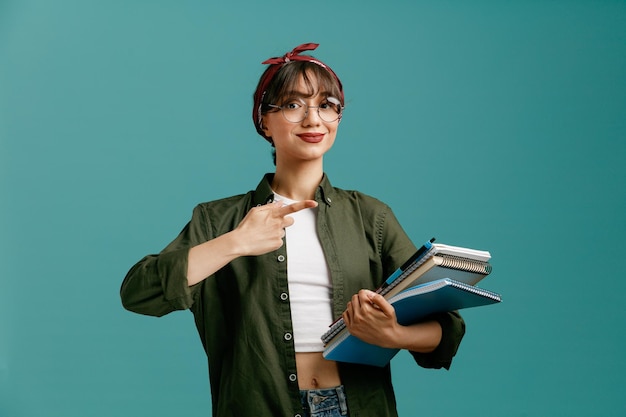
(311, 137)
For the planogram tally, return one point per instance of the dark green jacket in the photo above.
(242, 312)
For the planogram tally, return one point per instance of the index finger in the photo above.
(295, 207)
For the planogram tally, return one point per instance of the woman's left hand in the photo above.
(371, 318)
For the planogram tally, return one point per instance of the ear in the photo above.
(264, 127)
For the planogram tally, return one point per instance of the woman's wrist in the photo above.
(420, 337)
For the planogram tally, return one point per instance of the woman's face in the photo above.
(303, 141)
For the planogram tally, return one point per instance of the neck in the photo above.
(298, 183)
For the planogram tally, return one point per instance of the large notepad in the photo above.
(431, 262)
(410, 305)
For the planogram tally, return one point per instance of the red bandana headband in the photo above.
(276, 64)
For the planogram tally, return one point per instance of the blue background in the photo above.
(494, 125)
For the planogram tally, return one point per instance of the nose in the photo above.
(312, 116)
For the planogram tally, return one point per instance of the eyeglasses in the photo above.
(297, 110)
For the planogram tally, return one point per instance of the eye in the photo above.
(331, 103)
(293, 105)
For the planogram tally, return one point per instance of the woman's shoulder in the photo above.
(361, 198)
(368, 206)
(224, 202)
(225, 207)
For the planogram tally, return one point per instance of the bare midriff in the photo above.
(315, 372)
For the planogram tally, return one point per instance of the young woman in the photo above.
(266, 272)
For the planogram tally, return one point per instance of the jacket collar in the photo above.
(264, 194)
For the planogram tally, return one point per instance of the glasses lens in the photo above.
(296, 111)
(330, 110)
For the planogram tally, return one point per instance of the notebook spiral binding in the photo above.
(464, 264)
(472, 289)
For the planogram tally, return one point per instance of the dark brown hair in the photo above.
(316, 79)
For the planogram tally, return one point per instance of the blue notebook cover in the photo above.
(411, 305)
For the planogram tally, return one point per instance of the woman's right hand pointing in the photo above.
(263, 228)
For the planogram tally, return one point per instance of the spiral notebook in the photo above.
(410, 305)
(433, 261)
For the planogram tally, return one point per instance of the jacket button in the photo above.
(284, 296)
(288, 336)
(281, 258)
(293, 377)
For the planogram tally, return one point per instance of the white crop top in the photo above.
(310, 286)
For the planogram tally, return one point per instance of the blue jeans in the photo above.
(329, 402)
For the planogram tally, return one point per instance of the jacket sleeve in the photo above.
(157, 284)
(453, 329)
